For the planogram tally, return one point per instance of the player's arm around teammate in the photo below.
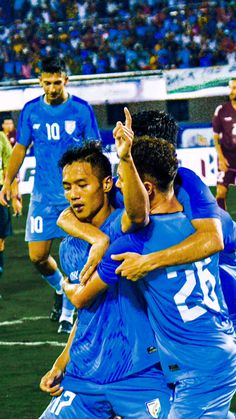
(99, 241)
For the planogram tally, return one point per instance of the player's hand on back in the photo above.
(133, 265)
(123, 136)
(50, 382)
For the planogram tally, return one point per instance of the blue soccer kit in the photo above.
(114, 364)
(198, 202)
(52, 129)
(188, 313)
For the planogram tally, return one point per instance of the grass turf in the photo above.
(24, 295)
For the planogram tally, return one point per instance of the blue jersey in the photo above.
(53, 129)
(114, 338)
(185, 303)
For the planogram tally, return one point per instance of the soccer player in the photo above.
(9, 130)
(224, 134)
(54, 122)
(195, 337)
(109, 366)
(202, 211)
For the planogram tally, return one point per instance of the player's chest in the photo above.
(53, 129)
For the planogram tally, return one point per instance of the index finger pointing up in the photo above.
(128, 118)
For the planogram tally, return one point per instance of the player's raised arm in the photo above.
(16, 160)
(136, 199)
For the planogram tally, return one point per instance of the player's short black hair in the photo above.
(155, 159)
(155, 123)
(53, 65)
(91, 152)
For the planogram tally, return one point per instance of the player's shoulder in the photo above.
(218, 109)
(32, 103)
(79, 101)
(222, 109)
(187, 175)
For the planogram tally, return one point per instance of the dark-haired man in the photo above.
(54, 122)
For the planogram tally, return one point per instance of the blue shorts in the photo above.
(41, 223)
(204, 397)
(141, 396)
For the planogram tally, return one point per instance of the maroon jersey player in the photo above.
(224, 134)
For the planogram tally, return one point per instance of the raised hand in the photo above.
(123, 136)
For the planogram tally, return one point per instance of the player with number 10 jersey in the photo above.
(53, 129)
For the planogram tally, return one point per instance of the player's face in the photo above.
(53, 85)
(232, 94)
(83, 190)
(8, 125)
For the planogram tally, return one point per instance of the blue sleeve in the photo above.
(203, 203)
(106, 268)
(24, 127)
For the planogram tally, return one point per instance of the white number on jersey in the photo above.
(234, 129)
(53, 131)
(36, 224)
(207, 284)
(57, 404)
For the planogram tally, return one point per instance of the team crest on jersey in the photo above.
(74, 276)
(154, 408)
(70, 127)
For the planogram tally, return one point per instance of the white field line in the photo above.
(24, 319)
(20, 321)
(47, 342)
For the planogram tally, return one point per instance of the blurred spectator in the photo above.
(97, 37)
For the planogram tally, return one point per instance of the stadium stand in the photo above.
(105, 37)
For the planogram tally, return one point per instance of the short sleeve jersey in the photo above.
(224, 124)
(185, 303)
(54, 129)
(114, 338)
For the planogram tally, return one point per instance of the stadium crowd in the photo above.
(115, 36)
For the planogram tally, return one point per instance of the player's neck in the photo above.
(102, 215)
(165, 203)
(58, 101)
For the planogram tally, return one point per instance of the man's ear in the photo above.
(107, 184)
(148, 187)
